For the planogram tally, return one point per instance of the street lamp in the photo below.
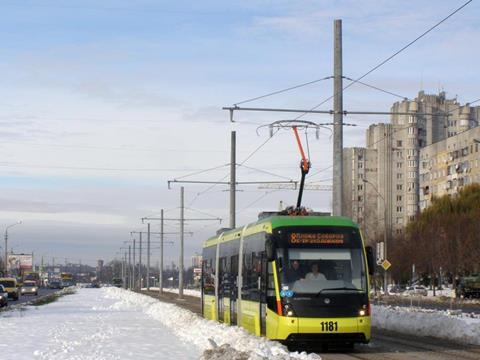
(384, 230)
(6, 244)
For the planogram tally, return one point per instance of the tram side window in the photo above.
(224, 276)
(234, 273)
(228, 268)
(254, 267)
(208, 271)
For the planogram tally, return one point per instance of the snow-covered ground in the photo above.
(189, 292)
(88, 325)
(232, 341)
(112, 323)
(455, 326)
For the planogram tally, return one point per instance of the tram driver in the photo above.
(315, 274)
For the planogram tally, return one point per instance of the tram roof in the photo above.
(272, 222)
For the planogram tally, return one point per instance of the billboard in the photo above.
(20, 262)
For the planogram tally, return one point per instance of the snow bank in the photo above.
(460, 327)
(188, 292)
(214, 339)
(86, 326)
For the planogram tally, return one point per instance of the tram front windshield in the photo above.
(322, 270)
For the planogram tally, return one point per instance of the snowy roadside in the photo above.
(454, 326)
(215, 340)
(87, 326)
(450, 325)
(188, 292)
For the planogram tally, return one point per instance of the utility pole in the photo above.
(149, 233)
(182, 223)
(233, 180)
(140, 261)
(134, 279)
(129, 267)
(148, 257)
(5, 273)
(160, 271)
(182, 220)
(125, 270)
(337, 201)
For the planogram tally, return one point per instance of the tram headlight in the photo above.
(288, 310)
(364, 311)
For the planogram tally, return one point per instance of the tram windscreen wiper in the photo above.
(339, 288)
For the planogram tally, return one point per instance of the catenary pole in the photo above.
(233, 179)
(130, 267)
(140, 262)
(134, 265)
(160, 273)
(125, 269)
(148, 256)
(337, 120)
(182, 223)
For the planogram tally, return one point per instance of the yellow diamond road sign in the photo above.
(386, 264)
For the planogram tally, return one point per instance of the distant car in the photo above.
(29, 287)
(10, 285)
(417, 290)
(468, 286)
(396, 289)
(117, 282)
(3, 296)
(55, 285)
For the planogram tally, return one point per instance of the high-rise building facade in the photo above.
(448, 165)
(394, 150)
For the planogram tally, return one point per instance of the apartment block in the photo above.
(394, 150)
(448, 165)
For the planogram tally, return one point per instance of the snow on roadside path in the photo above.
(423, 322)
(87, 325)
(188, 292)
(198, 331)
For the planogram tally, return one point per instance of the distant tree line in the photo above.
(444, 236)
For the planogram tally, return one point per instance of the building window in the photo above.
(360, 187)
(360, 165)
(399, 143)
(399, 209)
(399, 165)
(399, 186)
(399, 197)
(360, 198)
(399, 176)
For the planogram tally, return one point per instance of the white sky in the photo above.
(102, 104)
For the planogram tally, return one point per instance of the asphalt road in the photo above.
(26, 298)
(384, 344)
(396, 346)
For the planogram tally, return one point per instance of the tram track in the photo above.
(385, 345)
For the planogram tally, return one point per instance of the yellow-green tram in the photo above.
(263, 277)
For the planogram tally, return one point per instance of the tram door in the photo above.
(223, 287)
(233, 289)
(262, 280)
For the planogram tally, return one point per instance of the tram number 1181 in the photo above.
(329, 326)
